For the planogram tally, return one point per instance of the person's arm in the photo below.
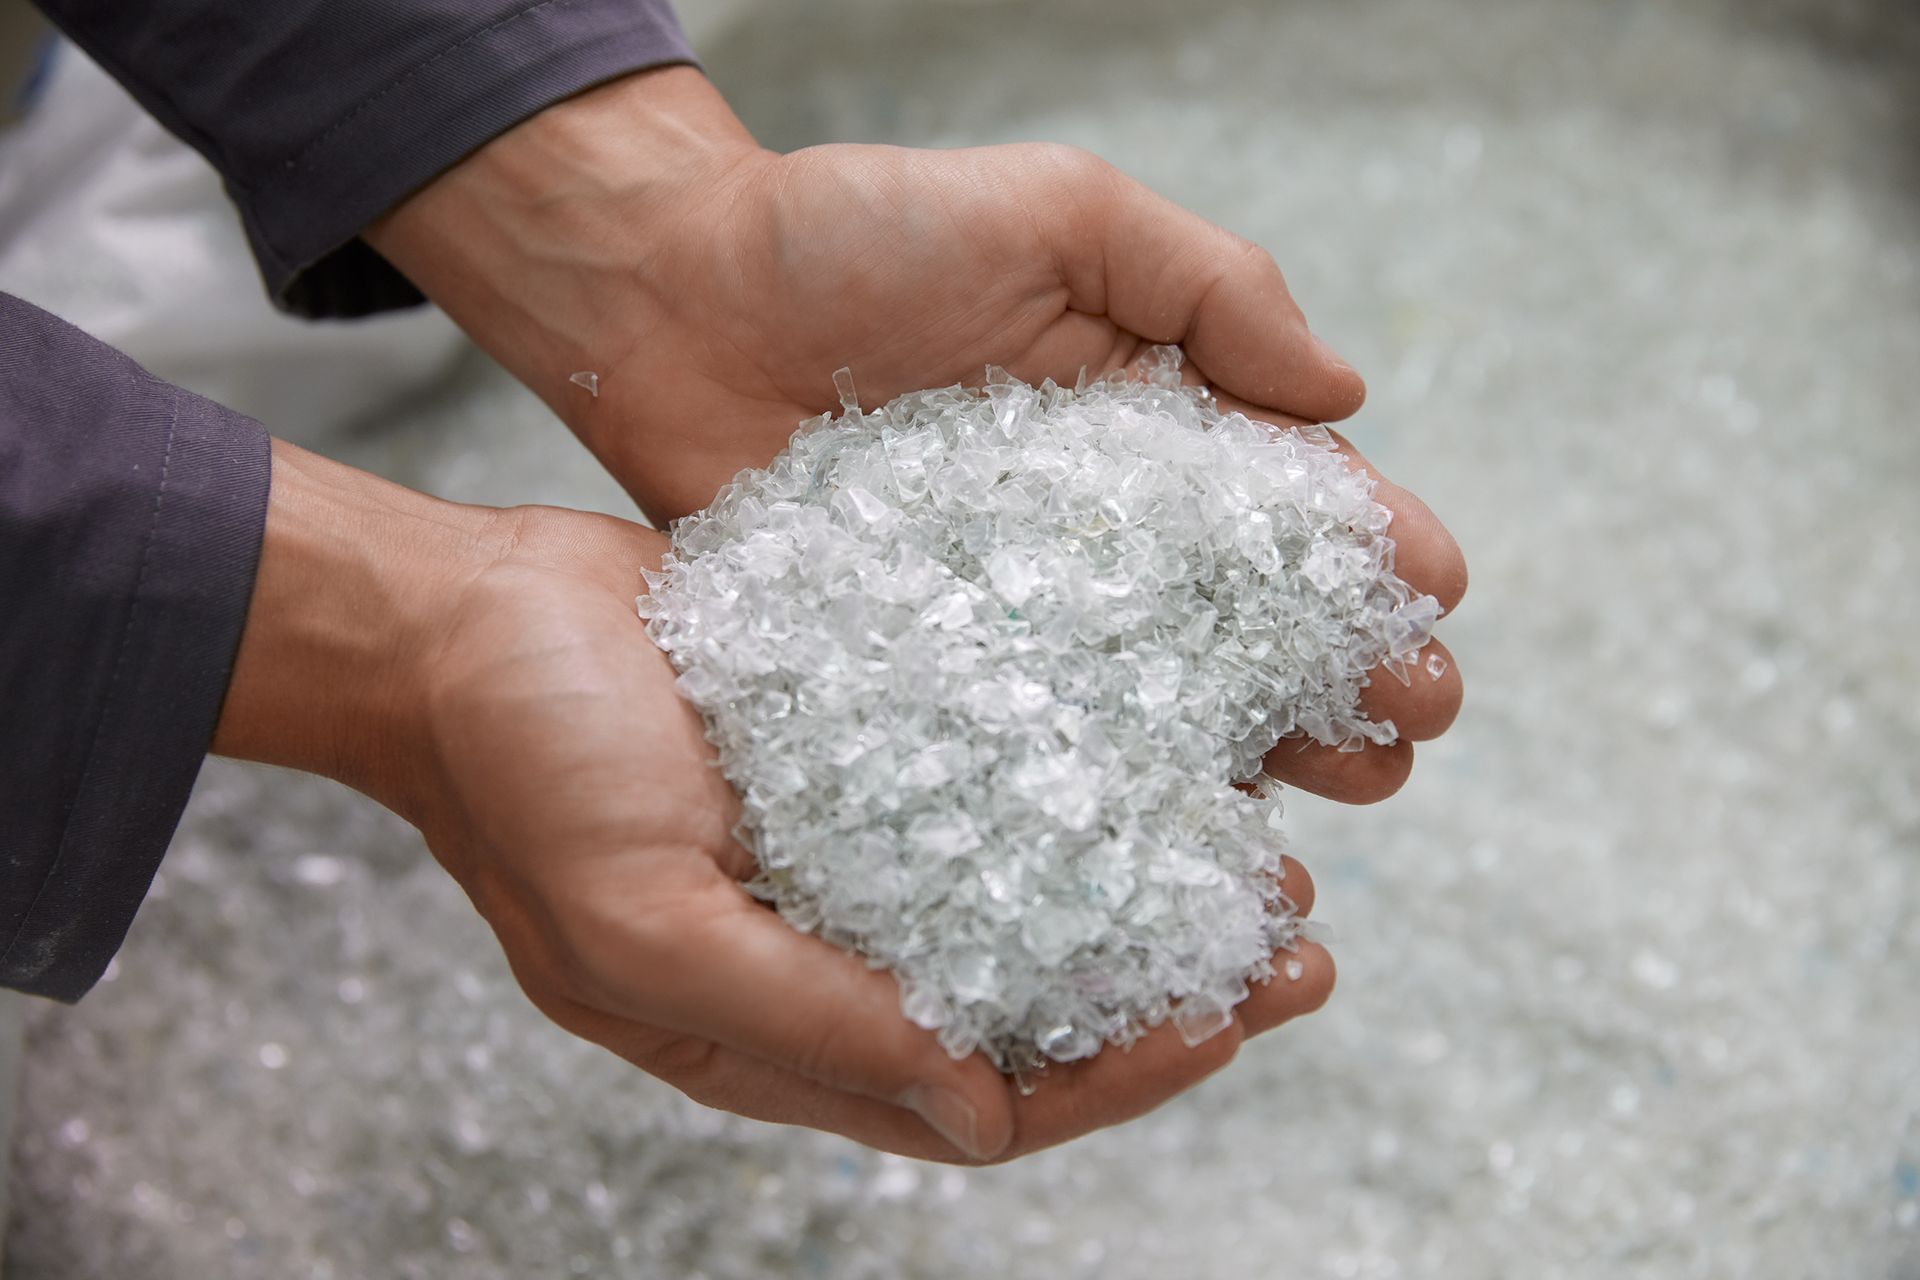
(130, 522)
(323, 114)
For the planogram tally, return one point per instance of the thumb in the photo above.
(1169, 275)
(719, 967)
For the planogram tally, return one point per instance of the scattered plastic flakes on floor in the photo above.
(1627, 970)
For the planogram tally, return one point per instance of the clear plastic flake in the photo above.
(985, 666)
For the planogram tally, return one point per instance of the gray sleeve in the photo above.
(323, 114)
(131, 514)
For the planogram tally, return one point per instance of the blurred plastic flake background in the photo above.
(1630, 972)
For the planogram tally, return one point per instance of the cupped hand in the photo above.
(484, 673)
(580, 806)
(713, 287)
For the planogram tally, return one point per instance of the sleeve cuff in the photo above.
(304, 221)
(137, 542)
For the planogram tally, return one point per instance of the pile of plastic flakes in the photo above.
(985, 666)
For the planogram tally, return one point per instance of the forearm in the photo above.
(322, 116)
(528, 243)
(348, 608)
(130, 520)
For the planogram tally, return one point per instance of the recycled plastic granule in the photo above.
(985, 665)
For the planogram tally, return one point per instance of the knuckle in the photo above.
(1067, 159)
(1254, 263)
(1252, 256)
(1245, 259)
(1081, 179)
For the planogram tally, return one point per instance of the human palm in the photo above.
(575, 798)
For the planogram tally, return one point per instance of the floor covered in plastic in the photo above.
(1630, 971)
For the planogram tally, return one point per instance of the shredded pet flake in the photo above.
(984, 666)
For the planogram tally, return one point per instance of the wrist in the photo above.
(532, 243)
(355, 580)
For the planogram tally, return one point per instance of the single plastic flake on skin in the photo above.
(984, 666)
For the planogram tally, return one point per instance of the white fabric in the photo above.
(113, 224)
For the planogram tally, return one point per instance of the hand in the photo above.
(484, 674)
(638, 232)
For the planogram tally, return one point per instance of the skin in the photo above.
(482, 672)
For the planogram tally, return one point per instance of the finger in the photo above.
(1296, 884)
(1171, 276)
(715, 964)
(1117, 1085)
(1426, 556)
(1421, 709)
(1422, 706)
(1301, 983)
(728, 1080)
(1428, 559)
(1141, 360)
(1351, 777)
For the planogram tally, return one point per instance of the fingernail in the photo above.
(950, 1115)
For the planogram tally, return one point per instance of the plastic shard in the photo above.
(587, 379)
(985, 666)
(843, 383)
